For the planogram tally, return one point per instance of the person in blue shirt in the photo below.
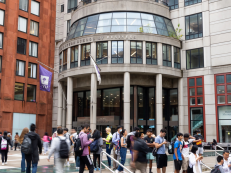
(115, 140)
(177, 156)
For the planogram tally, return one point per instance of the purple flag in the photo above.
(45, 77)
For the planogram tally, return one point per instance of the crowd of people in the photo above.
(187, 150)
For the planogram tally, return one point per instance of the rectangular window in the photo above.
(65, 60)
(2, 1)
(224, 123)
(117, 52)
(19, 91)
(2, 15)
(72, 5)
(33, 49)
(35, 7)
(21, 46)
(167, 55)
(173, 4)
(193, 26)
(136, 52)
(31, 93)
(62, 8)
(74, 56)
(22, 24)
(20, 68)
(68, 26)
(101, 53)
(60, 62)
(0, 64)
(197, 121)
(32, 70)
(176, 57)
(151, 53)
(85, 54)
(34, 28)
(1, 40)
(195, 58)
(191, 2)
(23, 5)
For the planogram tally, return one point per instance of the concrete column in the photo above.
(159, 54)
(79, 55)
(159, 109)
(180, 105)
(109, 52)
(93, 108)
(69, 58)
(172, 47)
(69, 102)
(126, 52)
(60, 104)
(144, 52)
(127, 101)
(64, 108)
(93, 51)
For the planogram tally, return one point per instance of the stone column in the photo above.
(64, 107)
(159, 109)
(180, 105)
(126, 52)
(93, 51)
(69, 58)
(93, 108)
(60, 104)
(69, 102)
(144, 52)
(109, 52)
(159, 54)
(79, 55)
(127, 101)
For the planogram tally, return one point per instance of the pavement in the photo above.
(14, 163)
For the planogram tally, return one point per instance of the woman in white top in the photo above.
(194, 161)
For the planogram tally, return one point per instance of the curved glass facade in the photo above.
(121, 22)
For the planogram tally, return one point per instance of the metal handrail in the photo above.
(219, 147)
(101, 163)
(206, 166)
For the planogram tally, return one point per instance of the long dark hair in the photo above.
(194, 149)
(96, 134)
(5, 134)
(122, 133)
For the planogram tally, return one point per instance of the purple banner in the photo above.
(45, 77)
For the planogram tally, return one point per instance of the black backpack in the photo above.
(26, 145)
(63, 150)
(129, 141)
(94, 147)
(171, 147)
(216, 170)
(78, 147)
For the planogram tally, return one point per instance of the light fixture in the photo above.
(133, 22)
(111, 94)
(117, 22)
(140, 99)
(118, 95)
(152, 98)
(106, 96)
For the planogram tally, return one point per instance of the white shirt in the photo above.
(75, 136)
(225, 165)
(185, 150)
(193, 162)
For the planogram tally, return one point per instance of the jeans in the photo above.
(23, 162)
(59, 164)
(4, 156)
(15, 145)
(86, 160)
(77, 161)
(96, 157)
(123, 152)
(34, 166)
(45, 146)
(108, 151)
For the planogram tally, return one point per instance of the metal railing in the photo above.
(101, 163)
(206, 166)
(216, 153)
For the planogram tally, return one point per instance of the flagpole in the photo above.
(48, 66)
(95, 62)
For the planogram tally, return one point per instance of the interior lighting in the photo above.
(117, 22)
(133, 22)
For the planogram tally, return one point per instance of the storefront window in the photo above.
(85, 54)
(117, 52)
(224, 114)
(136, 52)
(151, 53)
(197, 122)
(101, 53)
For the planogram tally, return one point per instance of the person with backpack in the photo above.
(46, 140)
(150, 141)
(130, 139)
(96, 148)
(115, 141)
(60, 146)
(194, 161)
(218, 167)
(177, 156)
(5, 142)
(21, 137)
(199, 137)
(123, 149)
(16, 141)
(32, 148)
(67, 136)
(108, 140)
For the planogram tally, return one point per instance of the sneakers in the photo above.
(116, 171)
(2, 164)
(5, 163)
(98, 169)
(77, 167)
(68, 164)
(95, 169)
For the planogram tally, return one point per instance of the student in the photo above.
(16, 141)
(115, 139)
(220, 161)
(36, 150)
(130, 139)
(199, 137)
(161, 158)
(123, 149)
(55, 148)
(24, 132)
(96, 155)
(4, 143)
(140, 149)
(67, 136)
(194, 161)
(177, 156)
(108, 145)
(150, 141)
(227, 162)
(46, 140)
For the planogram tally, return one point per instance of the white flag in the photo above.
(97, 71)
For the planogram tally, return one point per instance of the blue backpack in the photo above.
(94, 147)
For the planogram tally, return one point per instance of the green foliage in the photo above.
(141, 29)
(177, 33)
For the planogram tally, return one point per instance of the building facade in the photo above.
(164, 64)
(27, 35)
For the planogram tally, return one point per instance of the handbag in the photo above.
(154, 151)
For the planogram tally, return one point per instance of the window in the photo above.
(65, 60)
(2, 15)
(136, 52)
(0, 64)
(23, 5)
(62, 8)
(1, 40)
(101, 53)
(21, 46)
(85, 54)
(35, 8)
(197, 121)
(195, 58)
(72, 5)
(33, 49)
(32, 70)
(34, 28)
(90, 25)
(151, 53)
(117, 52)
(31, 93)
(20, 68)
(193, 24)
(19, 91)
(60, 62)
(68, 26)
(191, 2)
(2, 1)
(167, 55)
(74, 56)
(173, 4)
(22, 24)
(176, 57)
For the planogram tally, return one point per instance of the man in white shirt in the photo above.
(227, 162)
